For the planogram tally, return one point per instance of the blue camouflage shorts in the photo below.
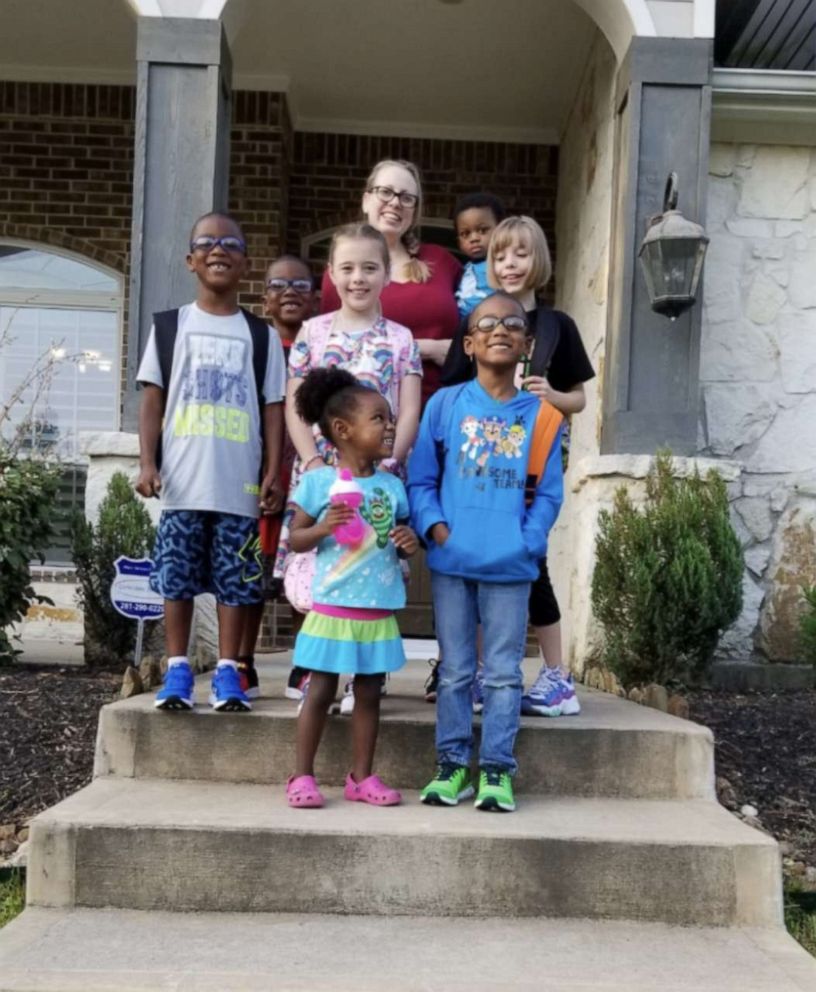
(202, 551)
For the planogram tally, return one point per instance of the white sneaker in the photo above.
(347, 702)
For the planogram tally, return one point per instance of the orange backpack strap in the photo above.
(547, 422)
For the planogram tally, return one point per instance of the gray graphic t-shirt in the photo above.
(211, 440)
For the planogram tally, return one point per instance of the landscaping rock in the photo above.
(150, 673)
(131, 683)
(678, 706)
(726, 793)
(656, 696)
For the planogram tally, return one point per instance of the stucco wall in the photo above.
(582, 229)
(758, 375)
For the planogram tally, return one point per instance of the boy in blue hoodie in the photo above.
(466, 482)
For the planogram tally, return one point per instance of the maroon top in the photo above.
(428, 309)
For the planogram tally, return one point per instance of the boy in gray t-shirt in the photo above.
(209, 419)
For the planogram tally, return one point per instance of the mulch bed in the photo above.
(765, 757)
(765, 749)
(48, 720)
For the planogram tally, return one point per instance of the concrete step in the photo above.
(124, 951)
(613, 748)
(155, 844)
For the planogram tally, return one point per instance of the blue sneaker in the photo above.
(545, 696)
(226, 693)
(176, 692)
(478, 692)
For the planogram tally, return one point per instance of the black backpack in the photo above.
(165, 324)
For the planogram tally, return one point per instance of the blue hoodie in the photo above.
(468, 470)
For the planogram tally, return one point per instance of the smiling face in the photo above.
(513, 266)
(500, 348)
(218, 270)
(370, 429)
(288, 307)
(473, 229)
(392, 218)
(357, 269)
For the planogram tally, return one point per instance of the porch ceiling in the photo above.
(503, 69)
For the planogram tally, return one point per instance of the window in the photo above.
(73, 308)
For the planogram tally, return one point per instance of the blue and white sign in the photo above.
(131, 594)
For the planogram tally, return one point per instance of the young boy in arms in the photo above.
(474, 218)
(212, 404)
(471, 470)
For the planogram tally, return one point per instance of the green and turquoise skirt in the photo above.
(348, 641)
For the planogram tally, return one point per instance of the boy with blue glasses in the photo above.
(211, 418)
(485, 487)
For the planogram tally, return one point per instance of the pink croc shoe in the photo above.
(371, 790)
(303, 792)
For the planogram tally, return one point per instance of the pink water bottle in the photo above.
(345, 490)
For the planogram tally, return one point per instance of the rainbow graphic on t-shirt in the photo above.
(351, 559)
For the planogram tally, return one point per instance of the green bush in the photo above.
(28, 488)
(668, 577)
(124, 528)
(807, 625)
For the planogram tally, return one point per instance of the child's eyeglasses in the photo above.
(487, 324)
(229, 243)
(385, 194)
(281, 285)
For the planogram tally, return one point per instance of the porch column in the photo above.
(181, 167)
(663, 102)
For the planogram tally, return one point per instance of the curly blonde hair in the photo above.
(415, 270)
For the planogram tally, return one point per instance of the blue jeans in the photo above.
(459, 606)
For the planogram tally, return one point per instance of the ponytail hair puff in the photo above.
(327, 393)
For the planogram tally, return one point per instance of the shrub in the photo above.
(807, 625)
(124, 528)
(668, 576)
(28, 488)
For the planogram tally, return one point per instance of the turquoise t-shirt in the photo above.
(367, 576)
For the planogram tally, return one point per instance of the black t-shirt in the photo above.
(569, 363)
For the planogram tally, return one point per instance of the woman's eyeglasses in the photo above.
(487, 324)
(281, 285)
(385, 194)
(229, 243)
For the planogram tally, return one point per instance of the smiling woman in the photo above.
(423, 277)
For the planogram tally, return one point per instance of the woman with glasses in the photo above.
(421, 293)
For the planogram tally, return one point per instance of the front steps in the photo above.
(151, 844)
(611, 749)
(616, 823)
(48, 950)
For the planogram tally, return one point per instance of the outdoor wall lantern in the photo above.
(671, 255)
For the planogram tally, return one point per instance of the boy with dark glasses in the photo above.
(288, 300)
(211, 416)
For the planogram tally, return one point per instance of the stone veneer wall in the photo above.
(584, 209)
(758, 376)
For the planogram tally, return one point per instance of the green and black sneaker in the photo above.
(495, 791)
(450, 784)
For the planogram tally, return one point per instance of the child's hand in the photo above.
(440, 533)
(538, 386)
(405, 540)
(272, 495)
(337, 515)
(149, 482)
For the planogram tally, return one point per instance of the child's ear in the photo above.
(339, 428)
